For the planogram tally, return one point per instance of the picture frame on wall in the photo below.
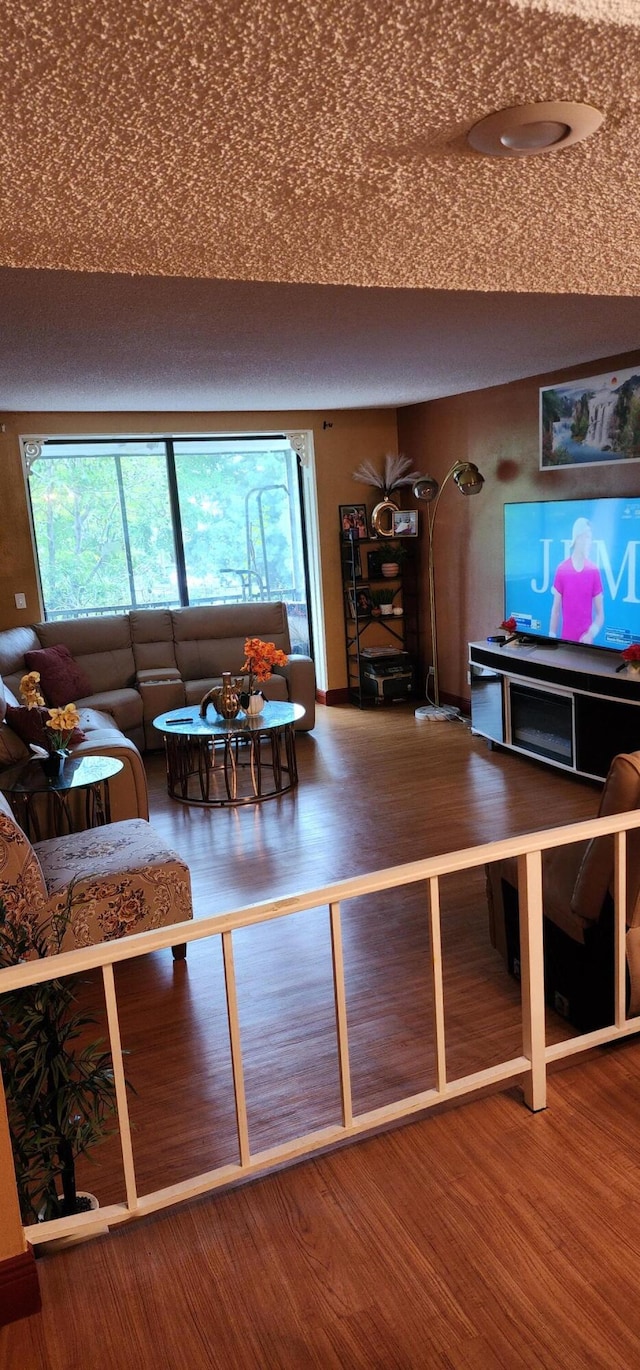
(405, 523)
(353, 521)
(590, 421)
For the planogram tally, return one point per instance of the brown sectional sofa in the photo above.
(145, 662)
(128, 794)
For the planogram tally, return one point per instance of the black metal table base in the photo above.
(233, 770)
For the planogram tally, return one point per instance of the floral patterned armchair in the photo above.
(125, 880)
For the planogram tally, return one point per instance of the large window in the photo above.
(124, 523)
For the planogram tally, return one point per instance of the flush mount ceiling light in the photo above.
(527, 130)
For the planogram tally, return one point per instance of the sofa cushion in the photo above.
(152, 639)
(27, 724)
(125, 706)
(6, 697)
(30, 725)
(12, 748)
(101, 646)
(62, 680)
(210, 638)
(14, 642)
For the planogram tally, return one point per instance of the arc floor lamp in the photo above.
(469, 480)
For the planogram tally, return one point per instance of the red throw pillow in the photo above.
(30, 726)
(62, 680)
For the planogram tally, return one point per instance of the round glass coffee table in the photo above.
(223, 762)
(27, 783)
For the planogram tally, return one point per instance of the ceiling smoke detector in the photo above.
(528, 130)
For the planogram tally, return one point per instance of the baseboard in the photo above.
(464, 705)
(333, 697)
(19, 1288)
(330, 697)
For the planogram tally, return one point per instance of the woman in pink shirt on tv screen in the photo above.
(577, 613)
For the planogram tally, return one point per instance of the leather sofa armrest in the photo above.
(300, 675)
(128, 791)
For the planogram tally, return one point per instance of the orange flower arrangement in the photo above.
(259, 659)
(61, 722)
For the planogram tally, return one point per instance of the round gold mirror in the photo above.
(382, 518)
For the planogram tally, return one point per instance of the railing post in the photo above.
(620, 926)
(236, 1049)
(532, 982)
(19, 1288)
(12, 1241)
(436, 977)
(341, 1015)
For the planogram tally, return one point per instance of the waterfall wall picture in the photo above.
(589, 421)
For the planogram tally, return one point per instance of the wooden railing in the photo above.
(530, 1066)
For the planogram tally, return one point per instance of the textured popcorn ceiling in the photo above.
(317, 142)
(194, 194)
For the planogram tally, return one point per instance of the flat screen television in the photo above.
(571, 570)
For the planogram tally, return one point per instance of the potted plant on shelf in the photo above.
(385, 562)
(60, 1093)
(384, 599)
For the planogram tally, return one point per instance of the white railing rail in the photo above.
(530, 1066)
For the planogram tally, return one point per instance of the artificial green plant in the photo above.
(60, 1094)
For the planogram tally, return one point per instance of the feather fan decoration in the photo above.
(396, 472)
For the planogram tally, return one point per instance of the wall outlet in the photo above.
(21, 601)
(431, 671)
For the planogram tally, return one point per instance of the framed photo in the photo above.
(360, 602)
(353, 521)
(405, 523)
(593, 420)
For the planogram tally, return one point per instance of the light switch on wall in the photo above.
(21, 601)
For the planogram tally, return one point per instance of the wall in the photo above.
(498, 430)
(347, 439)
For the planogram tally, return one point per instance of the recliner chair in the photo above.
(577, 894)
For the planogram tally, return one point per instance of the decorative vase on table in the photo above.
(255, 705)
(228, 704)
(53, 765)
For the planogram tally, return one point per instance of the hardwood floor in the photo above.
(468, 1239)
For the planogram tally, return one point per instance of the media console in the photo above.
(565, 705)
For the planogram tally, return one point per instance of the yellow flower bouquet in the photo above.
(61, 724)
